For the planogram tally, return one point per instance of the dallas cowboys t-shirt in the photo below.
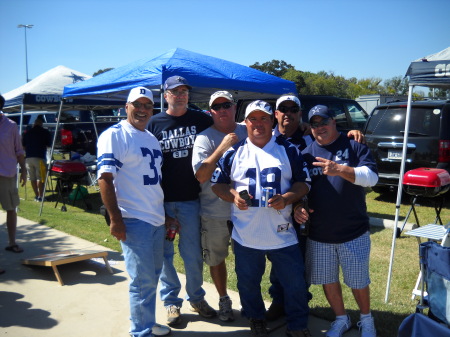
(176, 136)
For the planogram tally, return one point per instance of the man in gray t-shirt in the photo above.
(215, 213)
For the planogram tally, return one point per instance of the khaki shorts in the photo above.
(36, 168)
(9, 194)
(215, 240)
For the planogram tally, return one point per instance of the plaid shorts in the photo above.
(323, 261)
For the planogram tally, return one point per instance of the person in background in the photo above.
(215, 213)
(11, 154)
(263, 226)
(339, 169)
(129, 176)
(176, 130)
(35, 142)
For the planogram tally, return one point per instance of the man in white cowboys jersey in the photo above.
(339, 169)
(176, 130)
(129, 172)
(265, 229)
(215, 213)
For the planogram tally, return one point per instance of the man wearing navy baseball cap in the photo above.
(339, 237)
(176, 129)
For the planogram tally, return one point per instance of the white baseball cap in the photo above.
(258, 105)
(222, 93)
(139, 92)
(285, 98)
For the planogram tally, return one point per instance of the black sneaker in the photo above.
(298, 333)
(203, 308)
(275, 311)
(258, 328)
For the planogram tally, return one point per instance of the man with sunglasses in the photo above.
(215, 213)
(176, 130)
(339, 169)
(129, 171)
(289, 125)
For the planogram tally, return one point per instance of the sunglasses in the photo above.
(293, 109)
(225, 105)
(323, 122)
(138, 105)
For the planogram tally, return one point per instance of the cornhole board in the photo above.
(55, 259)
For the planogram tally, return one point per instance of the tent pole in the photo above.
(399, 189)
(161, 104)
(49, 162)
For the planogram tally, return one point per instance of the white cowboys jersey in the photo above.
(247, 167)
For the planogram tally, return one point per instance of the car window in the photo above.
(339, 115)
(391, 121)
(357, 115)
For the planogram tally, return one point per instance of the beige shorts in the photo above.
(36, 168)
(215, 240)
(9, 194)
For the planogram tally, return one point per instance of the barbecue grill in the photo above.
(426, 182)
(429, 183)
(67, 174)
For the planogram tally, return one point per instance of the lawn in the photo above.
(90, 225)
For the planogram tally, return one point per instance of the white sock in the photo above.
(364, 316)
(344, 317)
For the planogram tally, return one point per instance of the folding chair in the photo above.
(435, 266)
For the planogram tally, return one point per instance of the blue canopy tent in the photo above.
(205, 74)
(431, 71)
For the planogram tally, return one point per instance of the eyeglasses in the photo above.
(218, 106)
(138, 105)
(323, 122)
(293, 109)
(179, 92)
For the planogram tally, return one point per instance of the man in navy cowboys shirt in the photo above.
(339, 169)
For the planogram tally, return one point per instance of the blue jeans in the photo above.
(287, 264)
(187, 213)
(276, 290)
(143, 253)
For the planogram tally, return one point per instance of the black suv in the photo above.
(428, 140)
(349, 114)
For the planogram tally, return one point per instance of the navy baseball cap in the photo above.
(175, 81)
(320, 110)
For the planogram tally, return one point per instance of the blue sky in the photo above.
(361, 38)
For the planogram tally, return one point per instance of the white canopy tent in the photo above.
(431, 71)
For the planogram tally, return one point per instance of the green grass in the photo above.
(91, 226)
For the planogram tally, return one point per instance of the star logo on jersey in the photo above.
(75, 78)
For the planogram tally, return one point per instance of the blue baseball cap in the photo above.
(175, 81)
(320, 110)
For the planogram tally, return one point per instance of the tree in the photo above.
(101, 71)
(274, 67)
(397, 85)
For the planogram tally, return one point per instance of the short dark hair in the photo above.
(2, 102)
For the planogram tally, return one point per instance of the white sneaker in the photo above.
(160, 330)
(338, 327)
(367, 327)
(226, 310)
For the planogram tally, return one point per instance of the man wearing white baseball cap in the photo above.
(215, 213)
(133, 197)
(263, 224)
